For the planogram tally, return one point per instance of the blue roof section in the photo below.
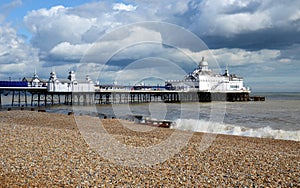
(13, 84)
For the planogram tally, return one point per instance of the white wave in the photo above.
(220, 128)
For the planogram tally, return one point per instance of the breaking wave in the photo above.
(220, 128)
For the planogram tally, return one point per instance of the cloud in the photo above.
(231, 17)
(17, 57)
(66, 51)
(108, 46)
(236, 56)
(255, 37)
(250, 24)
(52, 26)
(5, 9)
(134, 71)
(123, 7)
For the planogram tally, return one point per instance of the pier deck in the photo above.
(39, 96)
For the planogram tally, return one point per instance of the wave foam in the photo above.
(220, 128)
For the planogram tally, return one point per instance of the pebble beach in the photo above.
(39, 149)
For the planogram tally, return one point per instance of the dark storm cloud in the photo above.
(262, 39)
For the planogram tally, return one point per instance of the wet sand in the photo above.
(43, 149)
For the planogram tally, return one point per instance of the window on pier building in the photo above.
(234, 86)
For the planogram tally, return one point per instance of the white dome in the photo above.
(203, 63)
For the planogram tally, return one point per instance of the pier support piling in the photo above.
(18, 98)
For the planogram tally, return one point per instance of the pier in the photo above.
(201, 85)
(40, 96)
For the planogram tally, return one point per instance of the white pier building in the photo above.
(34, 81)
(203, 79)
(70, 84)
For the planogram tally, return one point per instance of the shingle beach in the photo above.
(47, 150)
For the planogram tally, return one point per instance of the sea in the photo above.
(277, 117)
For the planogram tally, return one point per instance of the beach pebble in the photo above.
(47, 150)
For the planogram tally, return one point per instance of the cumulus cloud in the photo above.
(108, 46)
(122, 6)
(52, 26)
(129, 44)
(250, 24)
(66, 51)
(236, 57)
(240, 21)
(17, 58)
(229, 17)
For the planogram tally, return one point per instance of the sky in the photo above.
(132, 41)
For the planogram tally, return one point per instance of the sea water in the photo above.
(278, 117)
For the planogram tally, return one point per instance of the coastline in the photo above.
(46, 149)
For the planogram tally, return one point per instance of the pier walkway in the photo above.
(40, 96)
